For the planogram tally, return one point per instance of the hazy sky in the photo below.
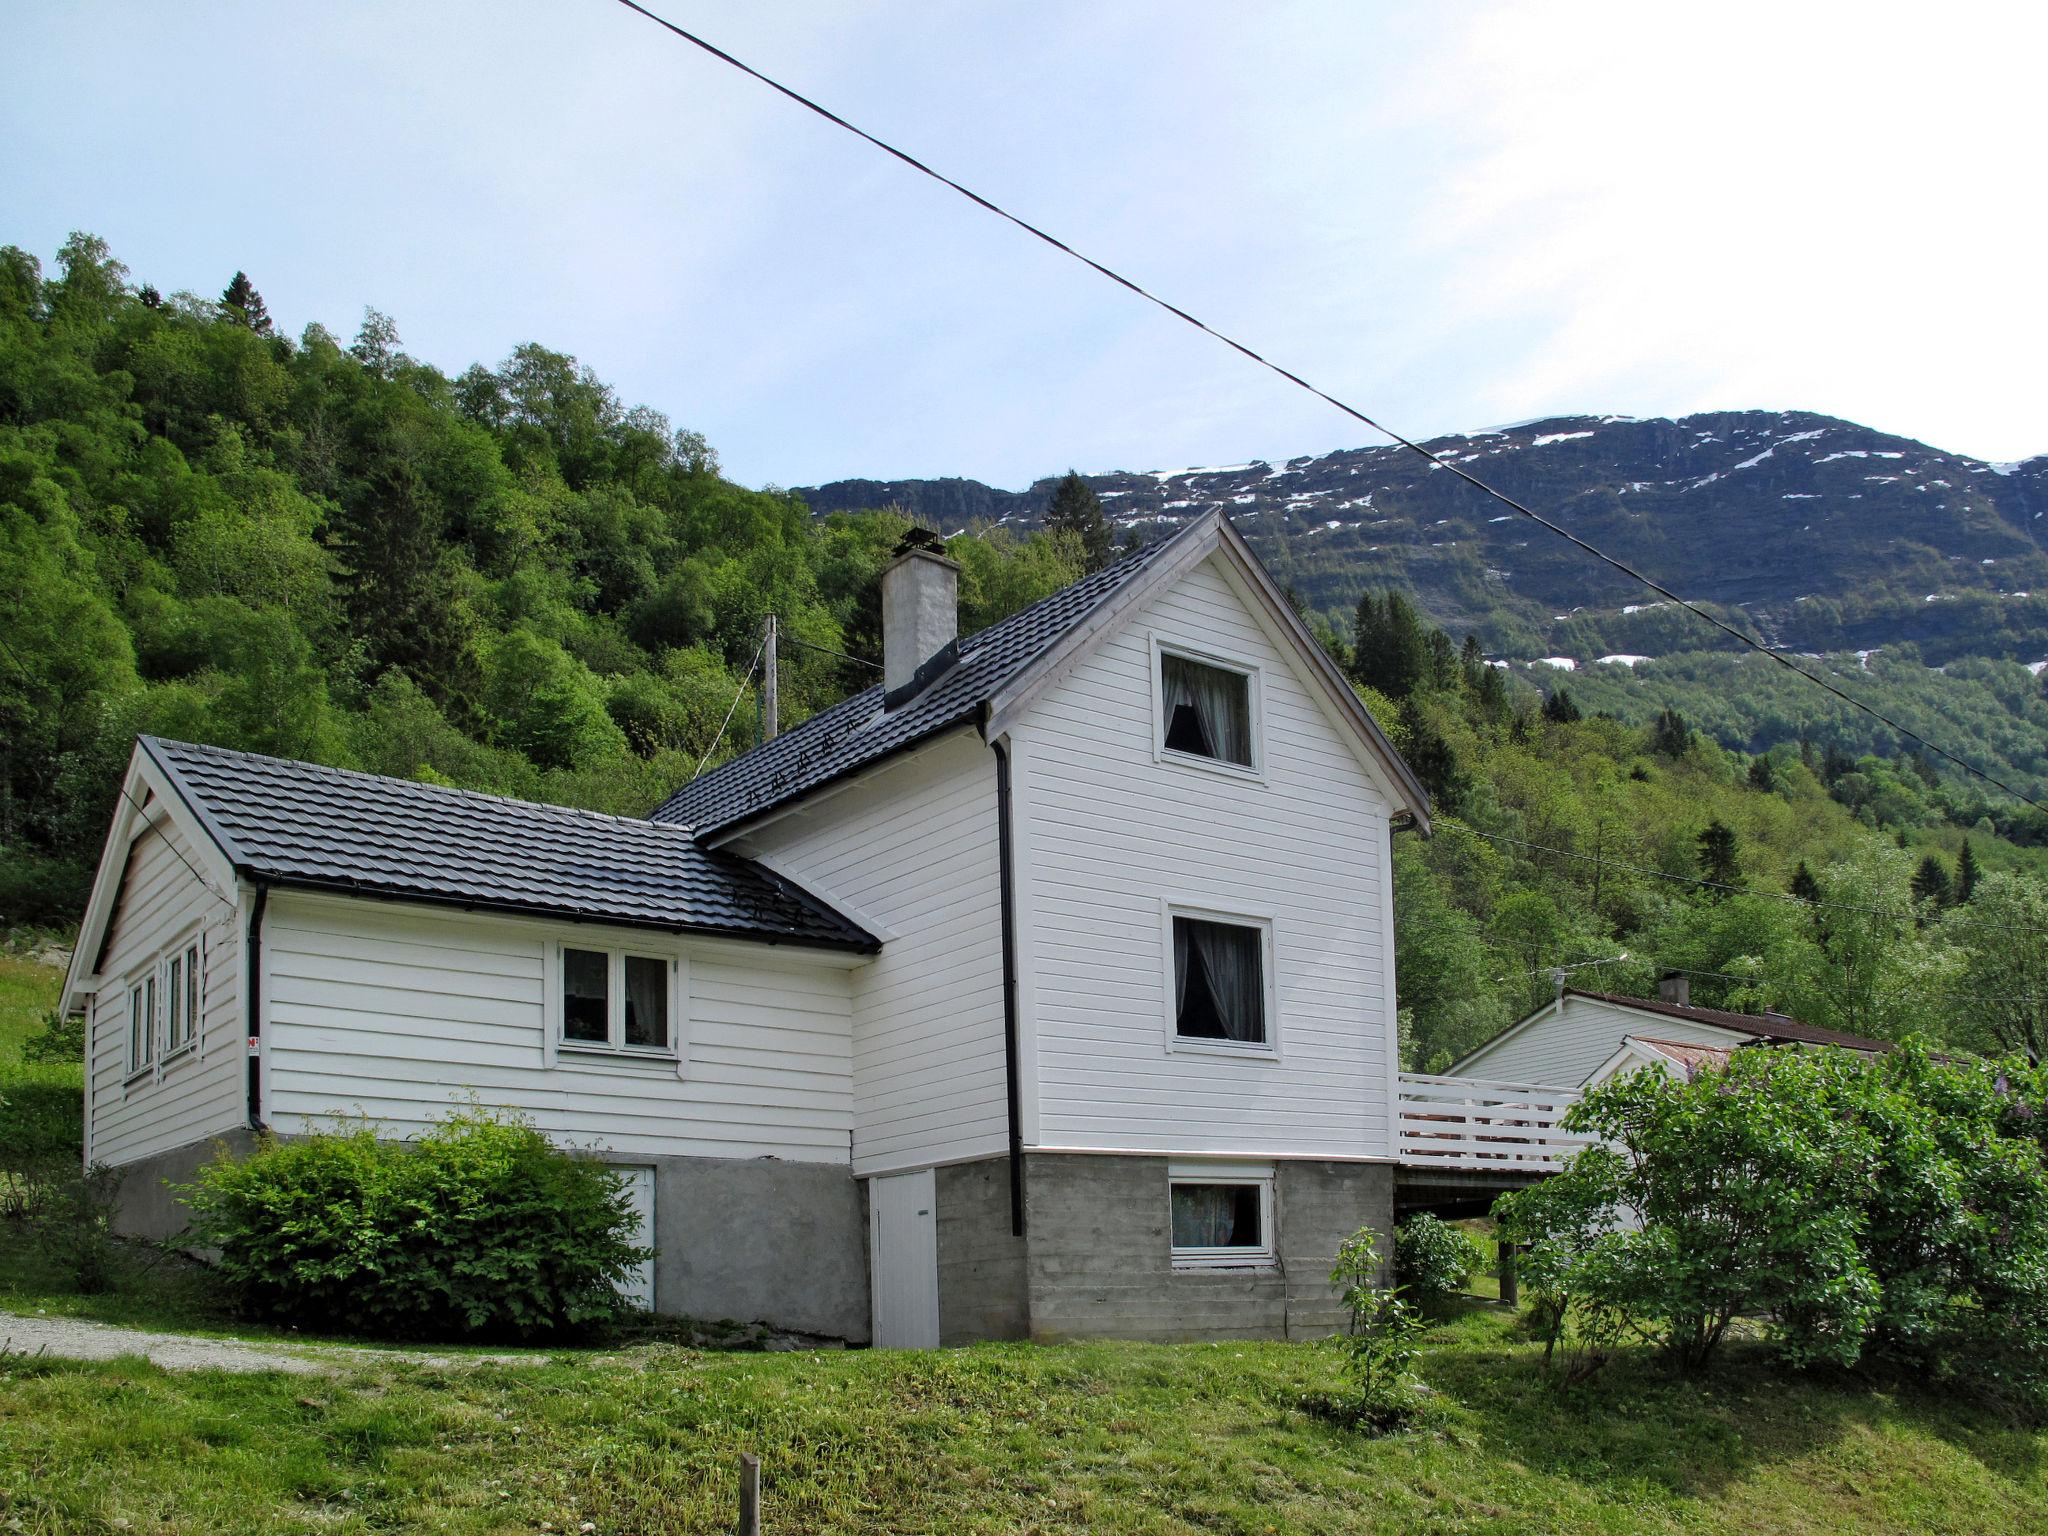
(1454, 215)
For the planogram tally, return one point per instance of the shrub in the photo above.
(1380, 1345)
(1432, 1258)
(1895, 1205)
(42, 1133)
(61, 1041)
(480, 1227)
(75, 1226)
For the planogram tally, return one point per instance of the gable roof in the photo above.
(996, 671)
(304, 826)
(1778, 1028)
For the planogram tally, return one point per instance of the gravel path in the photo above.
(74, 1339)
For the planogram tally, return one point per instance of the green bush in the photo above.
(42, 1136)
(479, 1228)
(1894, 1206)
(1432, 1258)
(1380, 1345)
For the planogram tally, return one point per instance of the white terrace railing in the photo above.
(1461, 1122)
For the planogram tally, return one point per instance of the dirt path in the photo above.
(74, 1339)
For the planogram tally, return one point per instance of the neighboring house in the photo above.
(1586, 1037)
(1044, 989)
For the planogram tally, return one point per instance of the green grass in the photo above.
(27, 992)
(1087, 1438)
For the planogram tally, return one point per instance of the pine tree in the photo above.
(1560, 709)
(1931, 885)
(1717, 846)
(1670, 736)
(1390, 650)
(1762, 775)
(1804, 886)
(150, 298)
(244, 305)
(1967, 874)
(1076, 509)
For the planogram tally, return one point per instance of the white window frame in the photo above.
(1266, 1255)
(1255, 703)
(614, 1047)
(188, 953)
(146, 984)
(1243, 1050)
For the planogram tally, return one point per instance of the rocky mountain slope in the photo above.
(1820, 534)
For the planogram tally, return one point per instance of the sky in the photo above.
(1453, 216)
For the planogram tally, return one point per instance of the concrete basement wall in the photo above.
(982, 1291)
(1099, 1263)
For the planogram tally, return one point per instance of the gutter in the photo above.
(1004, 860)
(253, 979)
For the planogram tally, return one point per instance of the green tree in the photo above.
(1931, 885)
(1559, 708)
(1075, 512)
(1390, 650)
(244, 305)
(1998, 990)
(1967, 874)
(1718, 861)
(1670, 736)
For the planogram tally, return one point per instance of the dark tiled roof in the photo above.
(1775, 1027)
(302, 825)
(859, 731)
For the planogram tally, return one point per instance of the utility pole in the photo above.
(769, 702)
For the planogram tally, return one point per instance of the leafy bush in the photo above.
(61, 1041)
(1380, 1345)
(1432, 1258)
(74, 1226)
(1895, 1205)
(42, 1132)
(480, 1227)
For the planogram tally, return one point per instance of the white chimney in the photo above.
(1674, 988)
(920, 609)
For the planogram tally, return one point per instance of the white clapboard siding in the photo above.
(400, 1013)
(911, 849)
(1110, 834)
(199, 1093)
(1567, 1047)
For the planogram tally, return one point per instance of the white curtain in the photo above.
(1215, 1216)
(1224, 959)
(1219, 701)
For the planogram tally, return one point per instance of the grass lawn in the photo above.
(1096, 1438)
(27, 992)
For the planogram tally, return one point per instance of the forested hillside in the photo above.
(509, 580)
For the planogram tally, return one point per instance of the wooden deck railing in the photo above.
(1462, 1122)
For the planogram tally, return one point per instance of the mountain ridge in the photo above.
(1817, 533)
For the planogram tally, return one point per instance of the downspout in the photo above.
(1008, 878)
(253, 979)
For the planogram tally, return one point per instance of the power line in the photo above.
(811, 645)
(1436, 460)
(745, 683)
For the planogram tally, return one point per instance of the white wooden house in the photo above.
(1044, 989)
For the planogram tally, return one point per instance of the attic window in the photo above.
(1205, 711)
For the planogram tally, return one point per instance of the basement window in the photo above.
(1218, 991)
(1206, 711)
(612, 1000)
(1222, 1215)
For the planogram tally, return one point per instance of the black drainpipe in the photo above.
(1003, 859)
(253, 941)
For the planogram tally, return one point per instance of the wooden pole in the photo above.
(750, 1488)
(769, 701)
(1510, 1284)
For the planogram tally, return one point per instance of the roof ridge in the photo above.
(424, 785)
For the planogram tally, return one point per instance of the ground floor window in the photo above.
(1222, 1215)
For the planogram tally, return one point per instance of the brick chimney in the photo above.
(1672, 987)
(920, 614)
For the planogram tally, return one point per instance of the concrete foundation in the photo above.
(145, 1205)
(982, 1291)
(1099, 1261)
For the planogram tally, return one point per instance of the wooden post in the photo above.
(750, 1492)
(769, 696)
(1510, 1286)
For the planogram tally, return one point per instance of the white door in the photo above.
(637, 1285)
(903, 1242)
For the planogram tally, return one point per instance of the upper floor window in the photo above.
(1219, 981)
(1207, 710)
(615, 1001)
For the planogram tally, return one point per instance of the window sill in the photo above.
(569, 1050)
(184, 1052)
(1217, 765)
(1231, 1049)
(1251, 1263)
(139, 1075)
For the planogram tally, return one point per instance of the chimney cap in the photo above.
(923, 541)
